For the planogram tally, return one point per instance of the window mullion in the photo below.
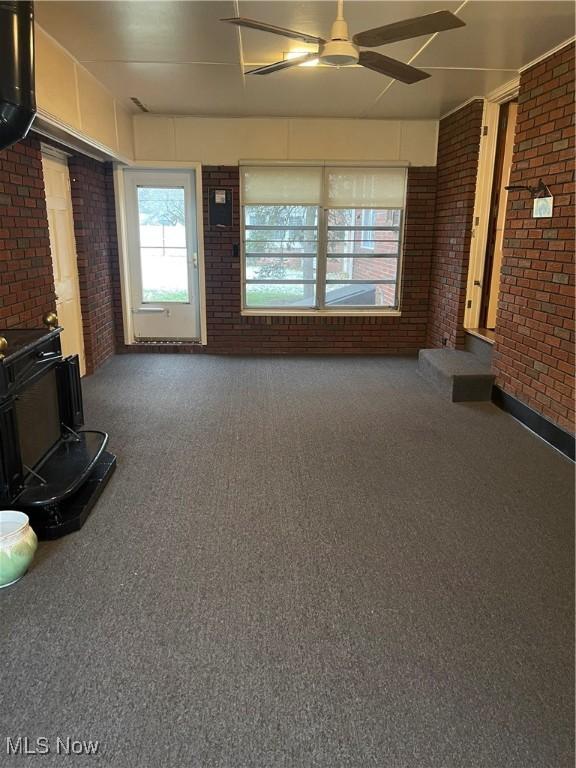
(321, 260)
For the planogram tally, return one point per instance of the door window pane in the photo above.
(163, 250)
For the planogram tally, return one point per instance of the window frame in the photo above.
(321, 308)
(246, 255)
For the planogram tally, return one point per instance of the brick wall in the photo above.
(96, 247)
(534, 351)
(229, 332)
(26, 284)
(457, 166)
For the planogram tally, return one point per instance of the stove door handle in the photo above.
(46, 357)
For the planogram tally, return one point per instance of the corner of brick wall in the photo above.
(534, 350)
(96, 249)
(27, 286)
(457, 167)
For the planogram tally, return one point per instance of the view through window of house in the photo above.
(363, 250)
(281, 249)
(163, 249)
(329, 240)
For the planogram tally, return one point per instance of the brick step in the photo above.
(459, 376)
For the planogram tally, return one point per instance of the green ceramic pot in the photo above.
(18, 543)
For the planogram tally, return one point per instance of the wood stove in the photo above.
(50, 468)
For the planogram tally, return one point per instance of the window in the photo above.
(281, 250)
(322, 238)
(163, 250)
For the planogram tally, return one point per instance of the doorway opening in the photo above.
(63, 250)
(162, 254)
(497, 219)
(494, 168)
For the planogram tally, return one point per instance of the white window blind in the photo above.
(320, 237)
(365, 187)
(281, 185)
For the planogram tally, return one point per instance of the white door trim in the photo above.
(122, 228)
(48, 150)
(55, 157)
(481, 216)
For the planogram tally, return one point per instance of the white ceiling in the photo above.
(178, 58)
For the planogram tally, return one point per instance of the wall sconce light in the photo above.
(540, 191)
(543, 201)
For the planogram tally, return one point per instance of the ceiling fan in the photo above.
(341, 51)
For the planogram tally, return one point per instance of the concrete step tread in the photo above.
(460, 376)
(454, 362)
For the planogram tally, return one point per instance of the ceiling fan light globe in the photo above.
(339, 53)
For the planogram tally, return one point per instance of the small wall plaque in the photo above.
(542, 208)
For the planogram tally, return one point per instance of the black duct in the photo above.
(17, 97)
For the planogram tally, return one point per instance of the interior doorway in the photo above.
(497, 219)
(162, 244)
(63, 250)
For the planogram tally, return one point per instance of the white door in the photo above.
(163, 253)
(64, 260)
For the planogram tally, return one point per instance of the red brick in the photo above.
(543, 271)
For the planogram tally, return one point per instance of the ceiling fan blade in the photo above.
(263, 27)
(408, 28)
(391, 67)
(277, 66)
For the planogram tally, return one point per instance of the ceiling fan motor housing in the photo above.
(339, 51)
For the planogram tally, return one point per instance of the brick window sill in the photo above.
(321, 313)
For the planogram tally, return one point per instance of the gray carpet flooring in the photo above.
(301, 562)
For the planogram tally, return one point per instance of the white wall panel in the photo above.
(154, 138)
(75, 101)
(419, 141)
(226, 141)
(96, 109)
(344, 139)
(223, 141)
(56, 90)
(125, 131)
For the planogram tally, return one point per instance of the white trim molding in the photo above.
(461, 106)
(552, 51)
(369, 312)
(484, 179)
(505, 92)
(122, 226)
(52, 127)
